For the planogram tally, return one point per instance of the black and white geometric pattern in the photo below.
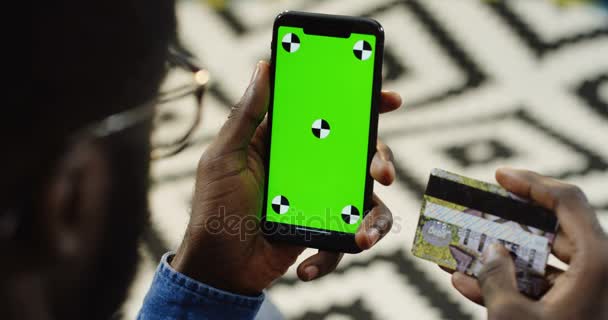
(280, 204)
(320, 128)
(291, 42)
(362, 50)
(486, 84)
(350, 214)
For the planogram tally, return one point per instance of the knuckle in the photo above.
(503, 309)
(384, 221)
(235, 110)
(569, 192)
(240, 112)
(219, 164)
(532, 176)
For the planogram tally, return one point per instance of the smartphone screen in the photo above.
(320, 135)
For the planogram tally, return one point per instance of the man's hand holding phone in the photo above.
(581, 292)
(223, 245)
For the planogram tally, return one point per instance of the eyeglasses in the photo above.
(178, 140)
(159, 107)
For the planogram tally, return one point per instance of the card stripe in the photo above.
(488, 202)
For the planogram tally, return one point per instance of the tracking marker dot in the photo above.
(291, 42)
(362, 50)
(320, 128)
(350, 214)
(280, 204)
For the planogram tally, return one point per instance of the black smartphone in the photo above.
(323, 119)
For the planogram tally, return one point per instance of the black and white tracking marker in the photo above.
(280, 204)
(350, 214)
(362, 50)
(291, 42)
(320, 128)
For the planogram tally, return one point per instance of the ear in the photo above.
(72, 215)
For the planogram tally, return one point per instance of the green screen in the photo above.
(315, 174)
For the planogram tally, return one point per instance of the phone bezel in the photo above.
(339, 26)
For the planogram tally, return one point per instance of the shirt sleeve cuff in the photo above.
(175, 295)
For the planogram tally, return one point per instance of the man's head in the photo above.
(71, 213)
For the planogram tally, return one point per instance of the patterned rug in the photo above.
(522, 83)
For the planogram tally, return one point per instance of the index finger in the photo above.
(574, 212)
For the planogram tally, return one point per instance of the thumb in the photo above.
(245, 117)
(497, 277)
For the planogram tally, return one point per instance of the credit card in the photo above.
(460, 217)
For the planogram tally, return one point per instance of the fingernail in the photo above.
(373, 235)
(491, 254)
(255, 73)
(311, 272)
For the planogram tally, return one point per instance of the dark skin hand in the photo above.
(581, 292)
(223, 245)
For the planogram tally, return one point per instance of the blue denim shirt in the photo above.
(176, 296)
